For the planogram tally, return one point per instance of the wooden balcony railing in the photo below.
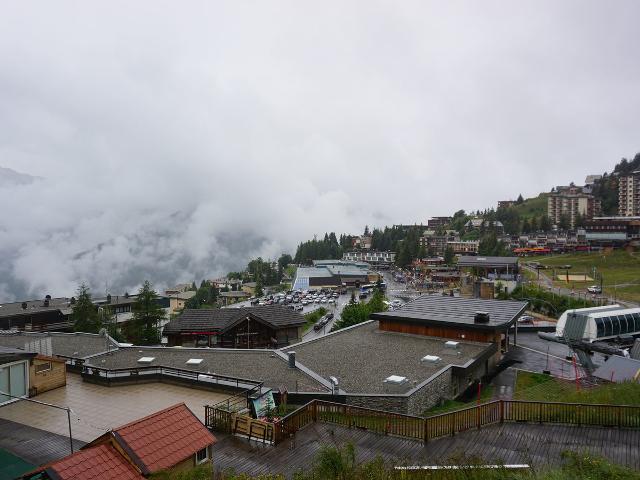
(418, 428)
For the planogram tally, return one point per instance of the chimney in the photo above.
(292, 359)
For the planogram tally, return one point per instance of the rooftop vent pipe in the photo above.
(292, 359)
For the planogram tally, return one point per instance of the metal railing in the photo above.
(419, 428)
(109, 375)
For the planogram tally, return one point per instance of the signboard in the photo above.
(259, 404)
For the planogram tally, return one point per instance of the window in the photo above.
(43, 367)
(13, 381)
(202, 455)
(600, 327)
(608, 328)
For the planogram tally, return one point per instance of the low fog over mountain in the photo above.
(176, 141)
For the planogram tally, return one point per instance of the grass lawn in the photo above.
(541, 387)
(620, 271)
(313, 317)
(451, 405)
(533, 207)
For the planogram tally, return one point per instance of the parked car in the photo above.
(298, 308)
(526, 319)
(594, 289)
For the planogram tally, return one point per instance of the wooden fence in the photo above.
(418, 428)
(224, 421)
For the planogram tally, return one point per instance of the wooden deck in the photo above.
(537, 445)
(33, 445)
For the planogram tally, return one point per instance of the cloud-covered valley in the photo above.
(174, 142)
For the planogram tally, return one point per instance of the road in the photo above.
(336, 309)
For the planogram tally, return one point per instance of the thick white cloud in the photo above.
(175, 141)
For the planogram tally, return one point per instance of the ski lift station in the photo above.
(599, 323)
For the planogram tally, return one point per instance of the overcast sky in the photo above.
(175, 140)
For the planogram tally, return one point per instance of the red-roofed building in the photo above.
(102, 462)
(171, 439)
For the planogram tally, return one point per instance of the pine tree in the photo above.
(259, 290)
(85, 314)
(545, 223)
(448, 256)
(143, 328)
(565, 222)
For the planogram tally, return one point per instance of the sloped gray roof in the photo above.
(619, 369)
(33, 306)
(222, 318)
(73, 345)
(430, 309)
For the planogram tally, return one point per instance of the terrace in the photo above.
(97, 409)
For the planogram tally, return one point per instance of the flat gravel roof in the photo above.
(259, 365)
(361, 357)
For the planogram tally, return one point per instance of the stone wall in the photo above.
(388, 403)
(435, 389)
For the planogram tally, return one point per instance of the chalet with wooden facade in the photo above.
(249, 327)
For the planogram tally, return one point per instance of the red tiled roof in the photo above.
(102, 462)
(165, 438)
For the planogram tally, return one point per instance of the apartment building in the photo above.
(571, 201)
(629, 195)
(435, 222)
(373, 257)
(464, 247)
(437, 244)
